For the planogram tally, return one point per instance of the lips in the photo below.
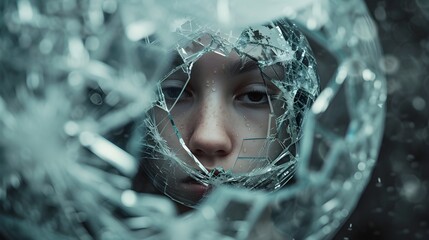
(196, 188)
(190, 180)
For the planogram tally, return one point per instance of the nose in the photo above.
(211, 137)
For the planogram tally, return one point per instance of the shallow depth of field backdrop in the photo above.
(395, 202)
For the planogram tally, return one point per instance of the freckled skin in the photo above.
(213, 118)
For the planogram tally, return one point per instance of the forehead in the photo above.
(278, 49)
(212, 63)
(199, 43)
(264, 44)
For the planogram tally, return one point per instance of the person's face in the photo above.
(224, 115)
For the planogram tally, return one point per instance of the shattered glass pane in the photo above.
(212, 122)
(229, 113)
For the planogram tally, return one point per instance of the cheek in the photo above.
(165, 126)
(254, 123)
(167, 171)
(250, 133)
(168, 133)
(255, 129)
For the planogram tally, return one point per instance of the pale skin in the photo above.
(223, 103)
(208, 120)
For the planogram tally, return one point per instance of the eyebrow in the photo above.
(243, 65)
(237, 67)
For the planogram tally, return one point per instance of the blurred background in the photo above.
(395, 204)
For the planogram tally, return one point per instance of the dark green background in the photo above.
(383, 212)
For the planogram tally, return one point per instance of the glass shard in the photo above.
(225, 120)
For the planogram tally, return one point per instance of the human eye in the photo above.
(175, 89)
(253, 95)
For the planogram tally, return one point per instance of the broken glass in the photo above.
(137, 119)
(265, 77)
